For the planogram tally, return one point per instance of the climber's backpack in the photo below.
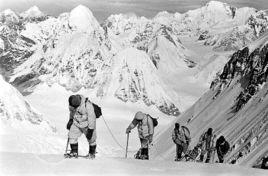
(155, 122)
(186, 132)
(97, 109)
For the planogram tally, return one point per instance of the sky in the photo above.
(104, 8)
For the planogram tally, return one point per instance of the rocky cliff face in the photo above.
(250, 67)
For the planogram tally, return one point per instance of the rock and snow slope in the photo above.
(134, 78)
(235, 106)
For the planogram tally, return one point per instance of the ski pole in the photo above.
(127, 145)
(67, 144)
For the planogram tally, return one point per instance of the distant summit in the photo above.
(81, 18)
(32, 12)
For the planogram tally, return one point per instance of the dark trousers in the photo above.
(144, 148)
(208, 156)
(179, 150)
(208, 152)
(264, 163)
(220, 156)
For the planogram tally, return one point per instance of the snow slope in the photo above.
(30, 164)
(15, 110)
(23, 129)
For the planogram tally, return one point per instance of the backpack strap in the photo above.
(86, 100)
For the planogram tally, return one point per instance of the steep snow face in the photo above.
(82, 19)
(168, 54)
(135, 79)
(235, 106)
(32, 12)
(242, 14)
(15, 112)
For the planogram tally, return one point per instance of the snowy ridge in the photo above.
(235, 106)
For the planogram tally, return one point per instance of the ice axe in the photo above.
(67, 144)
(127, 145)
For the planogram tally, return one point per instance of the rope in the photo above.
(110, 131)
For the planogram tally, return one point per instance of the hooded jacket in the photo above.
(83, 116)
(206, 141)
(178, 136)
(144, 124)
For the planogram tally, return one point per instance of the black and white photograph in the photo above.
(134, 87)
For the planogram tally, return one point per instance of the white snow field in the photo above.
(34, 164)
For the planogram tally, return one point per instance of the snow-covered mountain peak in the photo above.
(121, 20)
(135, 79)
(221, 10)
(163, 14)
(9, 12)
(165, 17)
(82, 19)
(216, 5)
(8, 15)
(32, 12)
